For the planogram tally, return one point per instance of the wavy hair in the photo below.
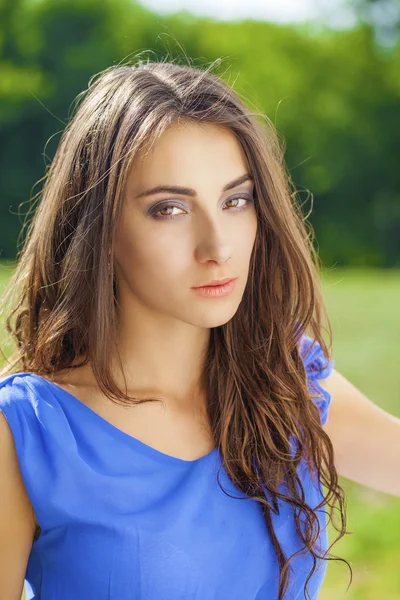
(66, 290)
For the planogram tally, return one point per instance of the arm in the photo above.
(365, 438)
(17, 524)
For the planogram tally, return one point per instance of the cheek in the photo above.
(153, 257)
(246, 236)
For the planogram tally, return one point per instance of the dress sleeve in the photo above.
(317, 367)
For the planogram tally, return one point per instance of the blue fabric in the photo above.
(121, 520)
(317, 367)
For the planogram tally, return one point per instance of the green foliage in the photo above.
(333, 95)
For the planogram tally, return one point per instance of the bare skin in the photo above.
(182, 432)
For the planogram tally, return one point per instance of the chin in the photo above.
(210, 317)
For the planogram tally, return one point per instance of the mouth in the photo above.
(216, 291)
(216, 283)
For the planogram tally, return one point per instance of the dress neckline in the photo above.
(116, 431)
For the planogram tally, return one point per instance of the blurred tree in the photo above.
(382, 15)
(333, 96)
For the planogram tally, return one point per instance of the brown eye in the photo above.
(166, 207)
(237, 200)
(248, 200)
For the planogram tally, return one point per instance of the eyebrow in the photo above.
(176, 189)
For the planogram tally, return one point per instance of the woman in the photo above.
(165, 439)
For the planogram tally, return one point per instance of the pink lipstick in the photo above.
(216, 291)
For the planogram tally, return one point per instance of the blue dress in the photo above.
(121, 520)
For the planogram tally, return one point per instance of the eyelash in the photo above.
(249, 199)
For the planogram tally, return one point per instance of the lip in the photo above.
(216, 291)
(216, 283)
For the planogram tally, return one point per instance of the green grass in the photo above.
(363, 307)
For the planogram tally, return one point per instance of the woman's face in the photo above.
(208, 233)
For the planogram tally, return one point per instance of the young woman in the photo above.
(165, 438)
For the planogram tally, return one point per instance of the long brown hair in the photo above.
(66, 290)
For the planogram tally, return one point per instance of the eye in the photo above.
(246, 197)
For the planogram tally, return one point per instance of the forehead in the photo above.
(186, 153)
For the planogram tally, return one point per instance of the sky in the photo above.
(334, 13)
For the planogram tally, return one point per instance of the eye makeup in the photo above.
(156, 208)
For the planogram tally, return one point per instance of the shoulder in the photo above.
(14, 388)
(26, 404)
(32, 432)
(12, 396)
(19, 389)
(317, 365)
